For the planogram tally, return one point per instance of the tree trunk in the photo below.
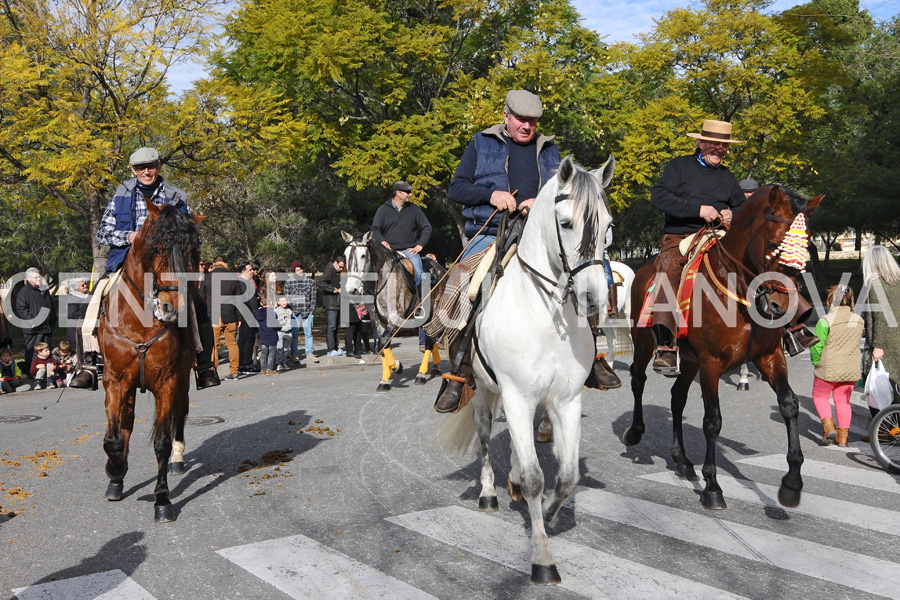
(100, 253)
(456, 215)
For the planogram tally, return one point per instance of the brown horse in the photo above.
(736, 327)
(147, 342)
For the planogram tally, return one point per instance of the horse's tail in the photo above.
(456, 435)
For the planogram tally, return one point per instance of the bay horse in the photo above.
(382, 275)
(555, 282)
(729, 335)
(146, 347)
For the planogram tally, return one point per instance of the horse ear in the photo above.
(775, 197)
(347, 237)
(153, 210)
(197, 219)
(367, 237)
(566, 171)
(605, 174)
(813, 204)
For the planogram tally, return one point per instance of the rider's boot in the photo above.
(797, 337)
(666, 360)
(420, 311)
(601, 376)
(456, 388)
(205, 371)
(87, 373)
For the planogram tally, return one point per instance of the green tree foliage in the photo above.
(83, 84)
(390, 89)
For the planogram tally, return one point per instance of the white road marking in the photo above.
(850, 569)
(850, 513)
(874, 478)
(303, 568)
(108, 585)
(584, 570)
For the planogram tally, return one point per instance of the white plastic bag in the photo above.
(879, 394)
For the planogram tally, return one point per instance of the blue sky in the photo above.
(616, 20)
(621, 20)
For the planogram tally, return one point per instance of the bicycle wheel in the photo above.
(884, 437)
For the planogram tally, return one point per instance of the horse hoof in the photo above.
(399, 368)
(545, 574)
(176, 468)
(114, 491)
(686, 472)
(164, 513)
(788, 498)
(421, 380)
(743, 386)
(713, 500)
(544, 436)
(488, 504)
(383, 387)
(515, 491)
(631, 437)
(435, 372)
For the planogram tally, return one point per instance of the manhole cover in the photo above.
(201, 421)
(19, 419)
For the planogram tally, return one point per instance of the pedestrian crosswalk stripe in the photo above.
(303, 568)
(873, 518)
(874, 478)
(108, 585)
(850, 569)
(584, 570)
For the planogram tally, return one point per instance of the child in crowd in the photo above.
(43, 367)
(268, 336)
(10, 374)
(65, 360)
(836, 359)
(283, 348)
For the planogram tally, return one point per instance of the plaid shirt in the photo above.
(301, 294)
(110, 232)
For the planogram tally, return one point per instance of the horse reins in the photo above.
(142, 347)
(571, 273)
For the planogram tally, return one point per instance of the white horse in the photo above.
(619, 327)
(556, 281)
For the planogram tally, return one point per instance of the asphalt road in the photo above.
(311, 484)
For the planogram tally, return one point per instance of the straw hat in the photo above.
(715, 131)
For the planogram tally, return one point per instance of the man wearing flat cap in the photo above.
(123, 218)
(402, 226)
(503, 160)
(748, 186)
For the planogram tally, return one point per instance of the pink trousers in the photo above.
(821, 392)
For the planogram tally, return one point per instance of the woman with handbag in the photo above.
(836, 359)
(881, 275)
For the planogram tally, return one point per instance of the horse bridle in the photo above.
(570, 273)
(768, 287)
(154, 294)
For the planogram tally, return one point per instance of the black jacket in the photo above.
(236, 286)
(329, 281)
(29, 303)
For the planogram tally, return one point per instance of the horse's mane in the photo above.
(175, 238)
(378, 254)
(584, 186)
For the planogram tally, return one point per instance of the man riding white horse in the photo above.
(502, 168)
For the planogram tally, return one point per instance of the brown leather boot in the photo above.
(841, 438)
(601, 376)
(666, 361)
(829, 432)
(456, 388)
(613, 308)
